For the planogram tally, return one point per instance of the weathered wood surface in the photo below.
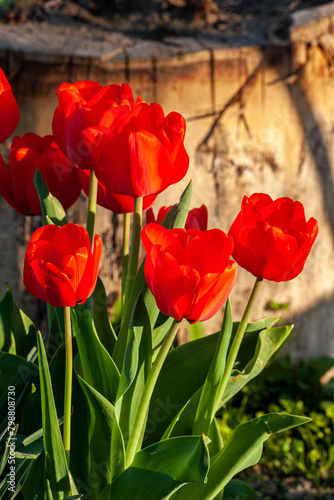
(259, 118)
(81, 41)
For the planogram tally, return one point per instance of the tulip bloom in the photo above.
(117, 203)
(272, 238)
(189, 272)
(132, 147)
(9, 110)
(60, 267)
(33, 152)
(145, 153)
(197, 217)
(86, 104)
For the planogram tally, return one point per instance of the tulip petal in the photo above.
(9, 112)
(166, 282)
(89, 278)
(212, 293)
(5, 186)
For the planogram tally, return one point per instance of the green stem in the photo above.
(68, 383)
(134, 439)
(134, 252)
(50, 312)
(238, 337)
(120, 347)
(92, 205)
(125, 254)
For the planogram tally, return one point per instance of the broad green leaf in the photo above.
(55, 460)
(35, 483)
(238, 490)
(130, 365)
(31, 413)
(178, 213)
(50, 206)
(98, 368)
(102, 323)
(117, 450)
(81, 454)
(100, 429)
(243, 449)
(14, 324)
(7, 342)
(160, 331)
(15, 371)
(4, 458)
(57, 372)
(162, 468)
(176, 217)
(185, 370)
(215, 436)
(136, 368)
(268, 342)
(210, 395)
(55, 334)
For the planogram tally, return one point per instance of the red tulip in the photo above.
(197, 217)
(27, 154)
(272, 238)
(60, 267)
(189, 272)
(87, 104)
(134, 149)
(117, 203)
(9, 110)
(145, 154)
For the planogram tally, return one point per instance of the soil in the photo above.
(274, 486)
(157, 19)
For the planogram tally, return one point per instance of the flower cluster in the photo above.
(135, 151)
(123, 152)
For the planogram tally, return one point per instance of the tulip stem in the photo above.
(68, 383)
(92, 205)
(125, 255)
(139, 422)
(238, 338)
(134, 250)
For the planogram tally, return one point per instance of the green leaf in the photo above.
(177, 215)
(15, 325)
(31, 412)
(50, 206)
(242, 450)
(55, 461)
(15, 371)
(238, 490)
(136, 368)
(100, 430)
(102, 323)
(268, 342)
(162, 468)
(190, 364)
(160, 331)
(210, 395)
(98, 368)
(35, 482)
